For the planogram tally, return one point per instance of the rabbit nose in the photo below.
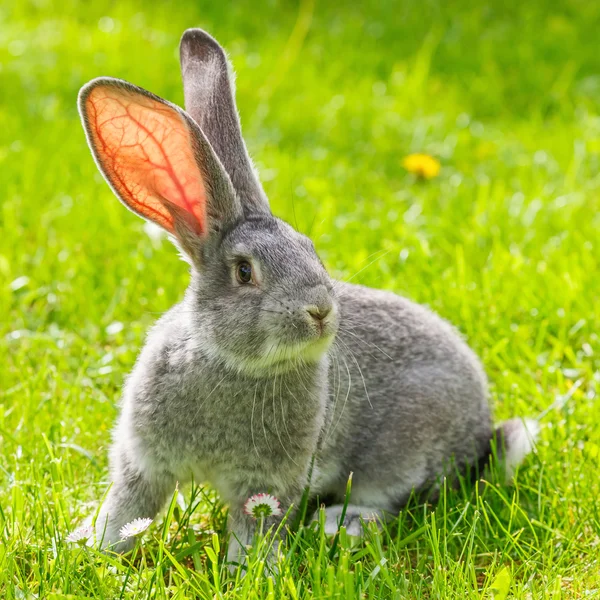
(318, 313)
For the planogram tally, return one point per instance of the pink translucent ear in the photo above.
(146, 150)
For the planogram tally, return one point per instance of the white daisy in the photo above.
(262, 505)
(134, 528)
(81, 534)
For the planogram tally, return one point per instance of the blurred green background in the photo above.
(332, 96)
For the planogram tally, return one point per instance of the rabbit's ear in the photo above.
(209, 99)
(157, 161)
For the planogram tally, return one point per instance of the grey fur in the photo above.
(238, 386)
(209, 99)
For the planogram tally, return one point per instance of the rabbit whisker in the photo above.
(336, 364)
(359, 370)
(210, 394)
(283, 415)
(252, 420)
(290, 391)
(276, 300)
(275, 423)
(331, 430)
(263, 418)
(344, 330)
(287, 310)
(384, 253)
(271, 351)
(302, 381)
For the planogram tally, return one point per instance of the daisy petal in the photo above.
(262, 505)
(81, 534)
(134, 528)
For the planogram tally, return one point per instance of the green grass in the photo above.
(504, 243)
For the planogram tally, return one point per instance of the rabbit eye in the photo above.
(243, 272)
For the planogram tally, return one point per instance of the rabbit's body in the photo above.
(407, 404)
(267, 363)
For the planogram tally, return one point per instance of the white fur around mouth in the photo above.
(275, 353)
(277, 357)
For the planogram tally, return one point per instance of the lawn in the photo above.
(333, 95)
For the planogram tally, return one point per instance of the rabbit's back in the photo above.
(406, 394)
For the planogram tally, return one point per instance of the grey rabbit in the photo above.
(267, 364)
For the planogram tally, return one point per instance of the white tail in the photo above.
(516, 439)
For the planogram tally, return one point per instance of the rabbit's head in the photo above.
(260, 297)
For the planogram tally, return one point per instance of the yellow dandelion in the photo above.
(422, 165)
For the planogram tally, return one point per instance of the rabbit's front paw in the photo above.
(353, 519)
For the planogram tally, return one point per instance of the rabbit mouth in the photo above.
(277, 352)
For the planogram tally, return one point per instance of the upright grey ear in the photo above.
(209, 99)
